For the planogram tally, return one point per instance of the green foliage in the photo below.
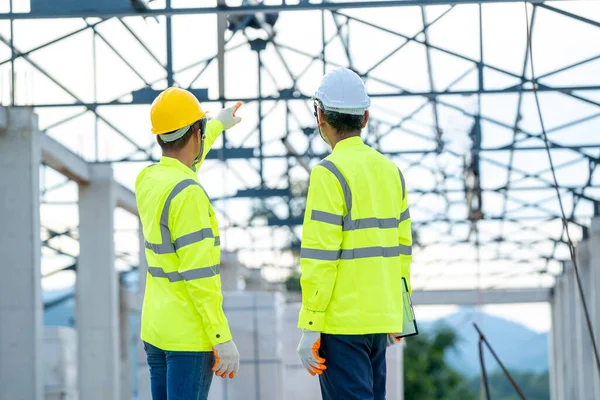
(428, 377)
(426, 374)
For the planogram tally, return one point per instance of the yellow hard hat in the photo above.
(174, 109)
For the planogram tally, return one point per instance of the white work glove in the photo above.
(227, 359)
(227, 116)
(308, 350)
(392, 339)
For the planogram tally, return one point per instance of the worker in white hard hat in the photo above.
(356, 250)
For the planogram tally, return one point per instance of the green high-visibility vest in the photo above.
(182, 308)
(356, 243)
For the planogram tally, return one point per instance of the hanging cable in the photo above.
(560, 202)
(484, 377)
(483, 340)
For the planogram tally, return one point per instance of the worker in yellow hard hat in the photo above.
(185, 332)
(356, 250)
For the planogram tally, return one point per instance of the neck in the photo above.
(339, 137)
(182, 156)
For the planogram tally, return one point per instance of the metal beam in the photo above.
(249, 9)
(484, 296)
(429, 94)
(221, 28)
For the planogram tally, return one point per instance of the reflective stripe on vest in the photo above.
(347, 223)
(192, 274)
(353, 254)
(166, 247)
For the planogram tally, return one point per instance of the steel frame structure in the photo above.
(523, 230)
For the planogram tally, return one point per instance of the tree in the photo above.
(426, 374)
(428, 377)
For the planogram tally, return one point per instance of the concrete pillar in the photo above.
(594, 298)
(143, 373)
(585, 356)
(572, 365)
(97, 289)
(557, 343)
(125, 343)
(565, 338)
(21, 323)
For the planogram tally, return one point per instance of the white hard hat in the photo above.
(343, 91)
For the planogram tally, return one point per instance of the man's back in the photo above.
(357, 229)
(183, 303)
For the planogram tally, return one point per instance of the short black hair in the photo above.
(179, 143)
(344, 123)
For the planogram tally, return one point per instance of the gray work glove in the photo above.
(308, 350)
(227, 360)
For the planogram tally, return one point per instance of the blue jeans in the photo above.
(356, 368)
(179, 375)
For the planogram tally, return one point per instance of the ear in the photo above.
(321, 116)
(365, 119)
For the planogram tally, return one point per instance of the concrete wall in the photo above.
(573, 371)
(60, 363)
(255, 319)
(594, 298)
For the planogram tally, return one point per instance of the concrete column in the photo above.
(557, 343)
(558, 329)
(97, 289)
(594, 298)
(143, 373)
(573, 368)
(21, 323)
(562, 337)
(125, 343)
(585, 356)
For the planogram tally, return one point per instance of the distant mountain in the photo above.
(519, 348)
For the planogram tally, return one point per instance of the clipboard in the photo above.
(409, 322)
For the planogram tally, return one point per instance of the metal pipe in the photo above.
(248, 9)
(294, 154)
(170, 79)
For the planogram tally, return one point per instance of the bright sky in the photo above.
(558, 41)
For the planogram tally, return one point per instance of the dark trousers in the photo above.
(355, 367)
(179, 375)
